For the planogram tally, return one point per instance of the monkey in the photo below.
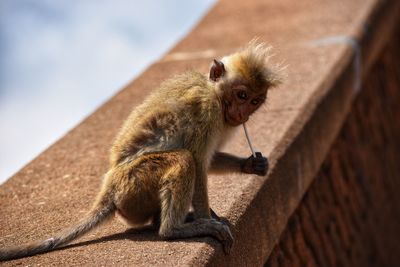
(161, 156)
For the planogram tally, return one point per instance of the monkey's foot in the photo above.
(219, 230)
(189, 217)
(227, 240)
(202, 227)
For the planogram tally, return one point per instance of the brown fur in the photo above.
(160, 158)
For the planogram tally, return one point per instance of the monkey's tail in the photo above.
(102, 210)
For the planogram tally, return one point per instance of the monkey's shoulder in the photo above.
(190, 77)
(182, 84)
(187, 92)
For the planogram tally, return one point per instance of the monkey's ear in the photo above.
(217, 70)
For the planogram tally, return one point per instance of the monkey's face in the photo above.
(240, 102)
(244, 88)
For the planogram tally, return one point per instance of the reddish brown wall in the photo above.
(350, 216)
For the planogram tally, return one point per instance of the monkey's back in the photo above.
(182, 113)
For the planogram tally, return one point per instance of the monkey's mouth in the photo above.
(231, 120)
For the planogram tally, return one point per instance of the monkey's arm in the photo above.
(224, 163)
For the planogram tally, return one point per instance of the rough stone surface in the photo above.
(295, 131)
(350, 216)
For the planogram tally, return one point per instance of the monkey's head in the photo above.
(243, 79)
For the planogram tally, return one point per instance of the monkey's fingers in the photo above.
(220, 219)
(260, 165)
(260, 158)
(259, 155)
(227, 240)
(222, 233)
(260, 162)
(214, 215)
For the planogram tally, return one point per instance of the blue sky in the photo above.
(61, 59)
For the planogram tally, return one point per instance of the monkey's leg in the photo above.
(200, 203)
(176, 195)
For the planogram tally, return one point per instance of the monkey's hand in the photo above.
(255, 165)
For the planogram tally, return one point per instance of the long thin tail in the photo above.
(103, 208)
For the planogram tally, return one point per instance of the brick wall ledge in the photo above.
(328, 47)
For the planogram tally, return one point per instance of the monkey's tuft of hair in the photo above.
(251, 63)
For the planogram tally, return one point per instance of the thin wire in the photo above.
(248, 140)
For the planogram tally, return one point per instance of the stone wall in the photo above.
(350, 216)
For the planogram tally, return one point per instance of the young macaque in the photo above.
(160, 158)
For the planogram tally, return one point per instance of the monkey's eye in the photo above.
(255, 102)
(242, 95)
